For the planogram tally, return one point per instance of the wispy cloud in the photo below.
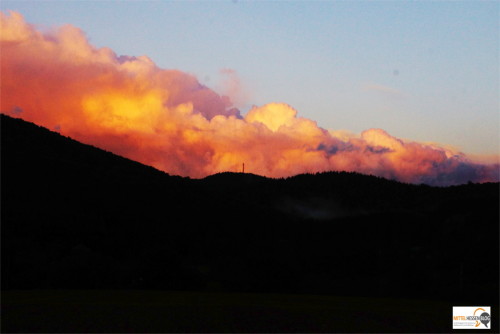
(383, 89)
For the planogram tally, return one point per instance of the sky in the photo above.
(424, 71)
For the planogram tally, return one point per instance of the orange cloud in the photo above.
(167, 119)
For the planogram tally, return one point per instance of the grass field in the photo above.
(164, 311)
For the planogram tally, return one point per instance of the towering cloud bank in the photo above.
(167, 119)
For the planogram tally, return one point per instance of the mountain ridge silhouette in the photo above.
(75, 216)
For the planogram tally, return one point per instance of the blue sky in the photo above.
(427, 71)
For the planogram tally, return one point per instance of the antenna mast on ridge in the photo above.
(243, 169)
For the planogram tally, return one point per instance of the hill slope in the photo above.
(74, 216)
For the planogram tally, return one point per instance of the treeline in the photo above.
(74, 216)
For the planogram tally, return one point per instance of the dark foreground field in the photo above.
(159, 311)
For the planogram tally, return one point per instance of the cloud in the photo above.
(384, 90)
(168, 119)
(230, 85)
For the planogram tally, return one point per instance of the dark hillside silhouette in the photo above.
(76, 217)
